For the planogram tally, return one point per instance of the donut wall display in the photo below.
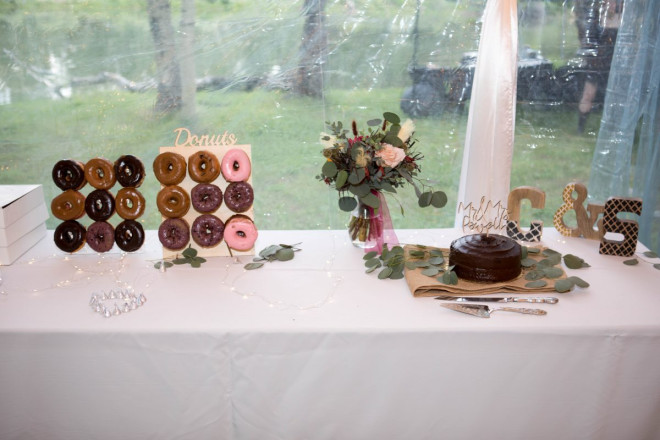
(206, 200)
(99, 205)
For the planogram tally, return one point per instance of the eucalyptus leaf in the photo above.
(439, 199)
(657, 266)
(536, 284)
(374, 122)
(431, 272)
(528, 262)
(189, 252)
(393, 139)
(385, 273)
(437, 260)
(284, 254)
(180, 261)
(396, 274)
(631, 262)
(371, 269)
(387, 186)
(552, 272)
(374, 262)
(252, 266)
(579, 282)
(523, 252)
(549, 252)
(370, 255)
(410, 265)
(342, 178)
(422, 264)
(574, 262)
(533, 250)
(564, 285)
(329, 169)
(200, 259)
(398, 250)
(534, 275)
(195, 263)
(417, 254)
(347, 204)
(436, 252)
(360, 190)
(371, 200)
(392, 118)
(650, 254)
(425, 199)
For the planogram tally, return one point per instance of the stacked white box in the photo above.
(23, 216)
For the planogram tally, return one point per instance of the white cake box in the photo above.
(22, 220)
(23, 225)
(11, 253)
(18, 200)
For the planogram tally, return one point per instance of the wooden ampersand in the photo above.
(537, 197)
(628, 228)
(585, 221)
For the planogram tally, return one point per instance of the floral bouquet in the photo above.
(360, 166)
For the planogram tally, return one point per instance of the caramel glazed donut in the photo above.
(69, 174)
(70, 205)
(129, 171)
(129, 203)
(203, 167)
(100, 173)
(170, 168)
(173, 201)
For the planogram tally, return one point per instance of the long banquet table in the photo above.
(314, 348)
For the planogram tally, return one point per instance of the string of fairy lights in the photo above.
(109, 272)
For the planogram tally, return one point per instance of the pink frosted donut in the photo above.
(240, 233)
(236, 166)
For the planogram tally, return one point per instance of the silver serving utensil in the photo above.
(536, 299)
(484, 311)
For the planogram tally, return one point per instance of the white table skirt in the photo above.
(314, 348)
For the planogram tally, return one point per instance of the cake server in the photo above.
(483, 311)
(533, 299)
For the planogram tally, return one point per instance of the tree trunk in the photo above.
(187, 58)
(309, 78)
(168, 74)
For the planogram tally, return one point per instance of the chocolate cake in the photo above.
(485, 258)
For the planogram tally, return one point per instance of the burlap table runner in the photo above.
(422, 285)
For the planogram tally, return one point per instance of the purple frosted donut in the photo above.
(207, 230)
(206, 197)
(174, 233)
(239, 196)
(129, 235)
(100, 236)
(100, 205)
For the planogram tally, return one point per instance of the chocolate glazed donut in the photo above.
(203, 166)
(69, 174)
(69, 236)
(100, 205)
(129, 171)
(170, 168)
(129, 235)
(100, 236)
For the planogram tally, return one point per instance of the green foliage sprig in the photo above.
(546, 268)
(647, 254)
(393, 261)
(274, 252)
(188, 256)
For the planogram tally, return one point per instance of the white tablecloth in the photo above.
(314, 348)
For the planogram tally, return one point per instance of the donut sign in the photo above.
(206, 198)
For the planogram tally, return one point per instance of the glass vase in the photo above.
(365, 227)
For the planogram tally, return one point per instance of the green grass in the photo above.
(284, 132)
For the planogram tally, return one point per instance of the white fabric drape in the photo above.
(488, 152)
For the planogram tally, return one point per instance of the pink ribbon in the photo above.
(381, 230)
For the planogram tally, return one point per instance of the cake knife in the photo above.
(483, 311)
(536, 299)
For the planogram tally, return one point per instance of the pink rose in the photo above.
(390, 156)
